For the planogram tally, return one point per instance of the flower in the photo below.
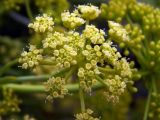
(117, 32)
(55, 86)
(116, 87)
(31, 58)
(87, 115)
(93, 34)
(88, 12)
(71, 20)
(42, 24)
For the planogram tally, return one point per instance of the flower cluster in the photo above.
(56, 88)
(93, 34)
(43, 4)
(88, 56)
(42, 24)
(154, 48)
(71, 20)
(9, 49)
(136, 36)
(154, 112)
(87, 115)
(32, 58)
(116, 87)
(117, 32)
(147, 15)
(115, 10)
(89, 12)
(12, 4)
(27, 117)
(10, 103)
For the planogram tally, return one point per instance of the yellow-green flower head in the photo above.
(55, 86)
(71, 20)
(116, 88)
(54, 40)
(117, 32)
(76, 40)
(123, 67)
(110, 53)
(10, 103)
(87, 115)
(88, 12)
(32, 58)
(42, 24)
(93, 34)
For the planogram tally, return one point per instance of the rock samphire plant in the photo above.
(82, 60)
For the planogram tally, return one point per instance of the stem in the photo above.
(28, 88)
(13, 79)
(81, 95)
(47, 62)
(154, 85)
(7, 66)
(68, 75)
(129, 19)
(28, 9)
(147, 106)
(32, 78)
(87, 22)
(101, 81)
(60, 72)
(106, 69)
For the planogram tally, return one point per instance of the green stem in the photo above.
(81, 95)
(154, 85)
(28, 9)
(147, 106)
(87, 22)
(47, 62)
(68, 75)
(129, 19)
(106, 69)
(101, 81)
(140, 58)
(7, 66)
(28, 88)
(32, 78)
(60, 72)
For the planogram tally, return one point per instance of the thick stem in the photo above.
(81, 95)
(28, 88)
(147, 106)
(32, 78)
